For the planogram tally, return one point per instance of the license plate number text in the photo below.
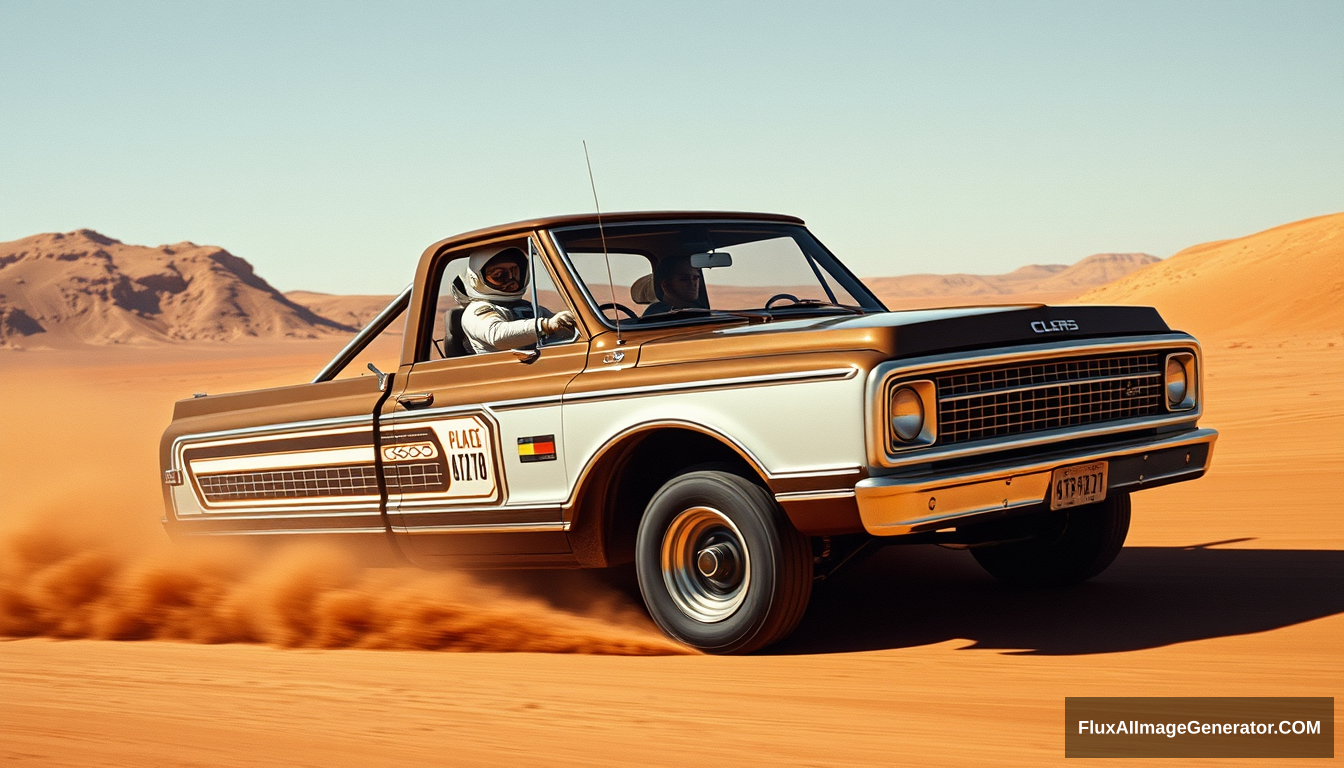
(1078, 485)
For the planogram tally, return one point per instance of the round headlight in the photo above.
(907, 414)
(1177, 384)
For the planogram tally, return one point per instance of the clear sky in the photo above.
(329, 143)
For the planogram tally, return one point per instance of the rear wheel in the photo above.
(720, 566)
(1083, 544)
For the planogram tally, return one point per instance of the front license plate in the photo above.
(1078, 485)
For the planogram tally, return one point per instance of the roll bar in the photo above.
(376, 326)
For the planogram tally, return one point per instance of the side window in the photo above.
(536, 296)
(546, 298)
(450, 300)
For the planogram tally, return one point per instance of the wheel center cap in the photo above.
(718, 562)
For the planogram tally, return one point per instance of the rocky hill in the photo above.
(81, 287)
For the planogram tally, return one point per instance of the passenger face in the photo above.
(682, 288)
(504, 276)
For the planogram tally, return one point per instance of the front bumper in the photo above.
(890, 506)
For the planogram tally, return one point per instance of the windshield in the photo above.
(667, 271)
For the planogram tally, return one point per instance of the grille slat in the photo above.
(1013, 399)
(352, 480)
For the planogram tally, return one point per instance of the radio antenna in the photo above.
(615, 313)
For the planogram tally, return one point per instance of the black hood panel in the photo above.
(1001, 326)
(921, 332)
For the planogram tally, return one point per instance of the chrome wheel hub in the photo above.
(718, 562)
(705, 564)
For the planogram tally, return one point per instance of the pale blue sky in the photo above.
(329, 143)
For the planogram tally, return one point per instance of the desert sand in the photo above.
(1231, 585)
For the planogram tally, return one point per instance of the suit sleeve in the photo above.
(488, 331)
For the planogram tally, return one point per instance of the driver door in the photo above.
(473, 453)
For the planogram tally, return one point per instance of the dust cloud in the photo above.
(93, 576)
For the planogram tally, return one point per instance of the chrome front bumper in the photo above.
(890, 506)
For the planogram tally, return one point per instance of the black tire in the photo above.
(1083, 545)
(760, 569)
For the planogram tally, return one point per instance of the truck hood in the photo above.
(906, 334)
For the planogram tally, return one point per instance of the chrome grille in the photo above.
(1012, 399)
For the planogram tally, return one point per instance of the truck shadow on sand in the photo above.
(1150, 597)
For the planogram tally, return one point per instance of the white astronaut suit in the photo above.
(498, 316)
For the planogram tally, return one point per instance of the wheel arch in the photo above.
(617, 482)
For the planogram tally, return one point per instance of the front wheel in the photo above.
(1081, 545)
(720, 566)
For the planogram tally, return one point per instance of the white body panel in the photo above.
(539, 482)
(787, 428)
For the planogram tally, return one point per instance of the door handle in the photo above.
(417, 400)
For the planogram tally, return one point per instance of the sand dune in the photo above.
(1034, 283)
(1285, 280)
(82, 287)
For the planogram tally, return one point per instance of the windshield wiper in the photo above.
(819, 304)
(687, 313)
(751, 317)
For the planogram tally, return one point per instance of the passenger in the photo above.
(677, 285)
(498, 317)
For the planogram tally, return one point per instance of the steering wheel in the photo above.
(618, 307)
(779, 296)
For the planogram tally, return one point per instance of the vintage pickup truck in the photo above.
(736, 445)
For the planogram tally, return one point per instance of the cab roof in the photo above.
(579, 219)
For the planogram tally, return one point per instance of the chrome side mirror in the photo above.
(382, 377)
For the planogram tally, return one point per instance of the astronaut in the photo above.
(497, 316)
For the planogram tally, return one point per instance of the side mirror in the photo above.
(382, 377)
(711, 260)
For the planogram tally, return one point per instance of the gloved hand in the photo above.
(563, 319)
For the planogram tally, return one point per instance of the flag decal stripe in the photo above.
(536, 448)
